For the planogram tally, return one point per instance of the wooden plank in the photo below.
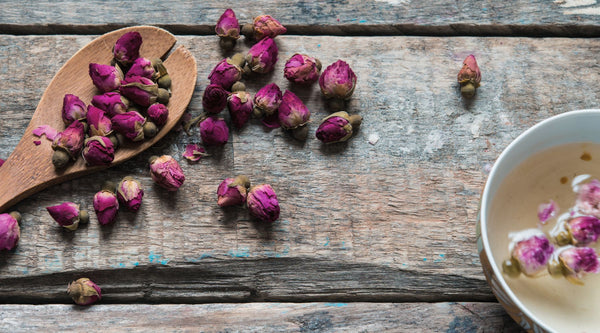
(394, 220)
(531, 17)
(261, 317)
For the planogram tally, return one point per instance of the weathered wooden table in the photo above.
(372, 236)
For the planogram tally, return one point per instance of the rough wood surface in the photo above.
(261, 317)
(440, 17)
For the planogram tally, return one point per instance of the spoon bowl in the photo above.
(29, 168)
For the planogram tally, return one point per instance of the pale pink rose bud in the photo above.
(264, 26)
(68, 215)
(73, 109)
(267, 100)
(233, 191)
(84, 292)
(469, 76)
(262, 56)
(262, 203)
(547, 211)
(68, 144)
(166, 172)
(530, 251)
(98, 122)
(141, 67)
(106, 204)
(302, 69)
(588, 199)
(127, 48)
(9, 230)
(105, 77)
(130, 193)
(583, 230)
(574, 263)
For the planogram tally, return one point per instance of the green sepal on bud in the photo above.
(511, 267)
(163, 96)
(60, 158)
(16, 215)
(240, 180)
(150, 129)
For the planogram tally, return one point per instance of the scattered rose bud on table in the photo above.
(226, 73)
(130, 193)
(166, 172)
(267, 100)
(294, 115)
(214, 131)
(469, 77)
(228, 29)
(302, 69)
(214, 99)
(338, 127)
(68, 215)
(263, 26)
(240, 105)
(10, 232)
(337, 83)
(262, 56)
(106, 204)
(233, 191)
(84, 292)
(262, 203)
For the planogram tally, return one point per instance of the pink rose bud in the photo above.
(194, 152)
(143, 91)
(106, 204)
(228, 26)
(130, 193)
(233, 191)
(267, 26)
(98, 150)
(68, 144)
(338, 81)
(262, 203)
(166, 172)
(214, 131)
(73, 109)
(68, 215)
(9, 230)
(262, 56)
(1, 162)
(141, 67)
(338, 127)
(583, 230)
(112, 103)
(130, 124)
(225, 74)
(158, 114)
(531, 251)
(588, 199)
(547, 211)
(302, 69)
(573, 263)
(267, 100)
(240, 107)
(105, 77)
(292, 112)
(214, 99)
(99, 123)
(127, 48)
(469, 76)
(84, 292)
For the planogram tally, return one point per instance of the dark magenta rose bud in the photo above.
(233, 191)
(130, 193)
(98, 150)
(69, 142)
(141, 67)
(105, 77)
(1, 162)
(302, 69)
(73, 109)
(141, 90)
(583, 230)
(84, 292)
(469, 76)
(228, 26)
(214, 131)
(531, 250)
(262, 56)
(262, 203)
(166, 172)
(158, 113)
(68, 215)
(338, 81)
(225, 74)
(127, 48)
(112, 103)
(267, 26)
(106, 206)
(130, 124)
(10, 232)
(194, 152)
(98, 122)
(292, 112)
(267, 100)
(214, 99)
(240, 108)
(338, 127)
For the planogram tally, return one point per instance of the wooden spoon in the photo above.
(29, 168)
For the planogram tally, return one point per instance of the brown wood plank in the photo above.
(389, 221)
(537, 17)
(261, 317)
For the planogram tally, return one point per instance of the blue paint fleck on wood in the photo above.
(337, 305)
(157, 258)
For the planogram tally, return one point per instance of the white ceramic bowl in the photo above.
(540, 304)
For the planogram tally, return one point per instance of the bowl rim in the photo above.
(486, 203)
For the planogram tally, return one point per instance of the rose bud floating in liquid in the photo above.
(530, 252)
(573, 263)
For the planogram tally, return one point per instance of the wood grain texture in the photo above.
(331, 17)
(261, 317)
(394, 220)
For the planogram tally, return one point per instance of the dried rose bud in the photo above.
(166, 172)
(194, 152)
(141, 67)
(73, 109)
(547, 211)
(302, 69)
(98, 150)
(267, 100)
(240, 107)
(262, 203)
(573, 263)
(130, 193)
(105, 77)
(1, 162)
(469, 76)
(530, 252)
(262, 56)
(106, 204)
(68, 144)
(84, 292)
(214, 131)
(228, 29)
(131, 124)
(127, 48)
(338, 127)
(225, 74)
(263, 26)
(9, 230)
(583, 230)
(143, 91)
(292, 112)
(338, 81)
(214, 99)
(233, 191)
(158, 113)
(161, 75)
(112, 103)
(99, 123)
(68, 215)
(588, 199)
